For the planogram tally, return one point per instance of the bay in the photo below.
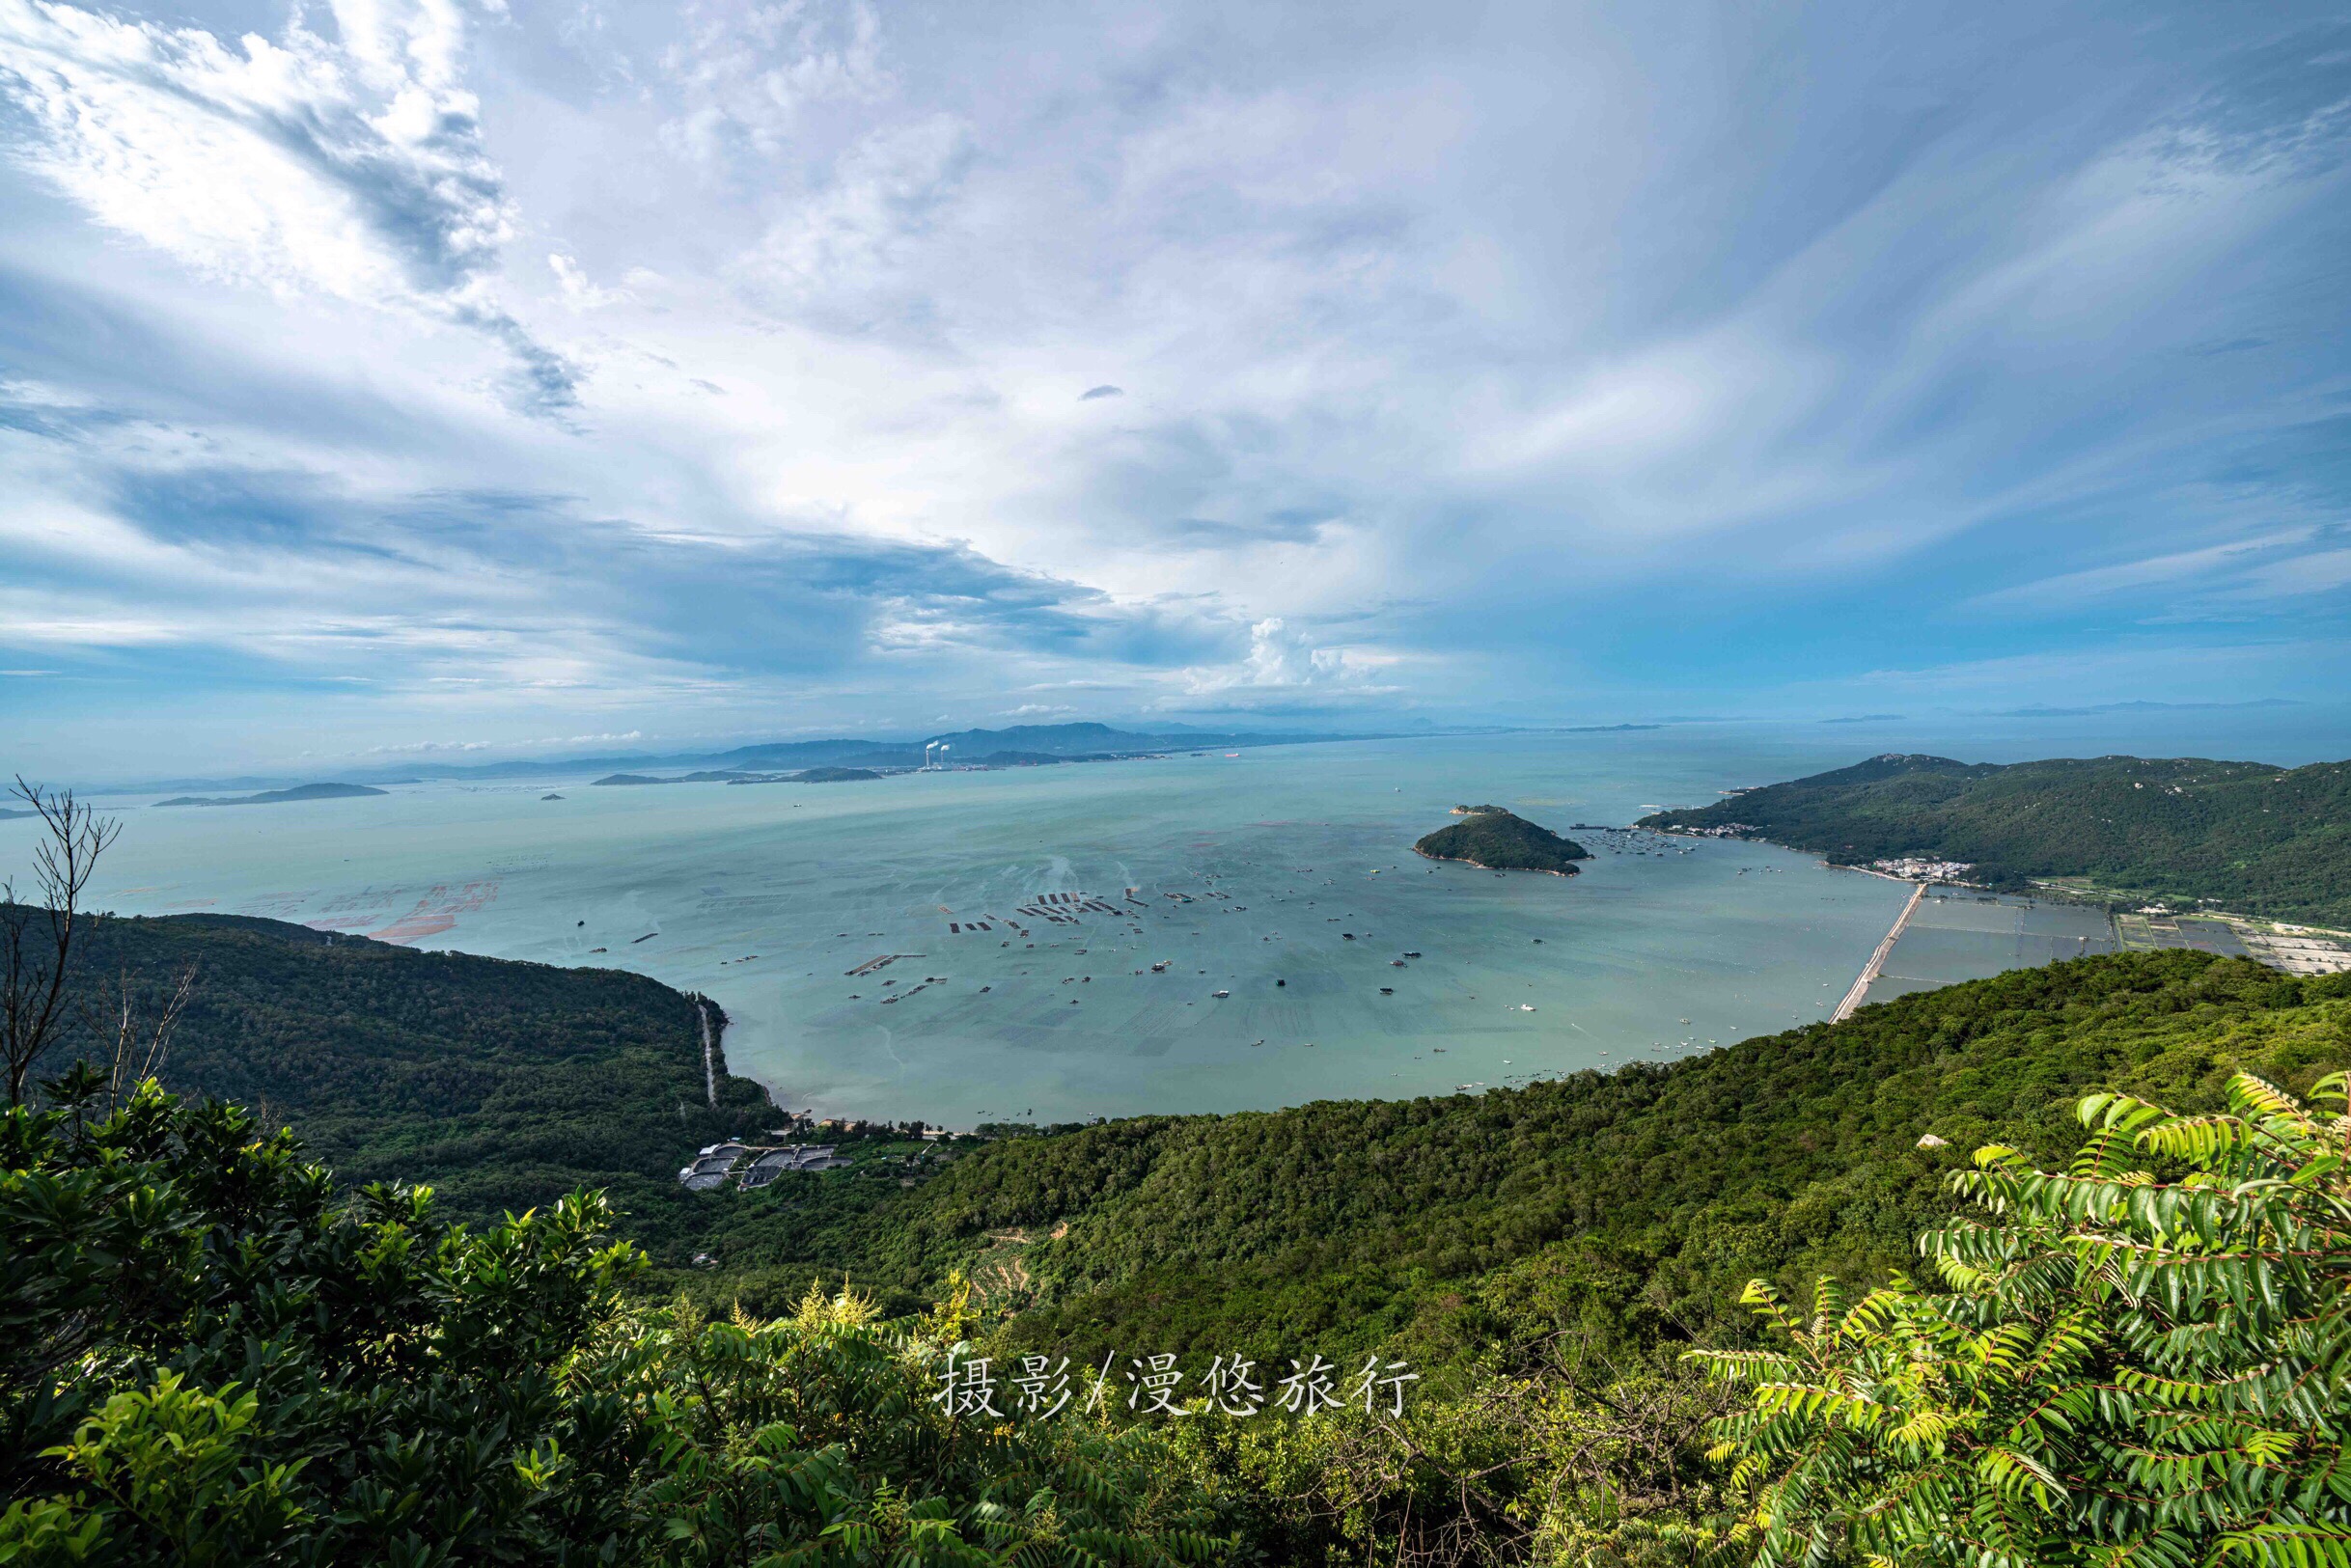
(1281, 876)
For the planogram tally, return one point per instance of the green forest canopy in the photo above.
(1544, 1256)
(504, 1085)
(2246, 836)
(1502, 840)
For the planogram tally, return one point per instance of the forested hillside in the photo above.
(503, 1085)
(1503, 842)
(1542, 1259)
(2249, 836)
(1649, 1195)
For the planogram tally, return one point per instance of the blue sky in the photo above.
(399, 377)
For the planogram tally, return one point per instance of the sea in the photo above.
(1206, 931)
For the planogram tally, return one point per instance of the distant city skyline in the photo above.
(396, 378)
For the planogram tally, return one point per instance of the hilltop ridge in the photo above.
(2251, 836)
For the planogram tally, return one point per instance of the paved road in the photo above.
(1878, 959)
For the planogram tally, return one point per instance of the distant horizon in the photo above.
(2312, 733)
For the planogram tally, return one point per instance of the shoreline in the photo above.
(1463, 859)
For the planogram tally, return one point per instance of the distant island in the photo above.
(775, 761)
(1037, 759)
(1501, 840)
(729, 776)
(735, 776)
(277, 797)
(2248, 837)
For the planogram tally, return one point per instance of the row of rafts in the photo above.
(1058, 908)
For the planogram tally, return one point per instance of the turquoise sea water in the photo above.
(1250, 872)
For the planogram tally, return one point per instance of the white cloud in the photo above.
(852, 244)
(1278, 659)
(578, 292)
(1521, 348)
(747, 72)
(2203, 568)
(2321, 571)
(350, 167)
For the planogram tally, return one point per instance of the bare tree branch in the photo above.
(139, 1049)
(36, 938)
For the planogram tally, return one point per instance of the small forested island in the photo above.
(1501, 840)
(2249, 836)
(836, 776)
(278, 797)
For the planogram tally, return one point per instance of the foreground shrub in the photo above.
(2144, 1359)
(206, 1358)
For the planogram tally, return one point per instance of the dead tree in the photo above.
(37, 938)
(140, 1042)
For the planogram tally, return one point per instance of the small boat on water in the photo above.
(1221, 993)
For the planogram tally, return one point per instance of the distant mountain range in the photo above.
(817, 775)
(277, 797)
(1020, 743)
(2038, 712)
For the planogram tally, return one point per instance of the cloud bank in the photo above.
(404, 368)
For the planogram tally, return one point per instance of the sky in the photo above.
(407, 378)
